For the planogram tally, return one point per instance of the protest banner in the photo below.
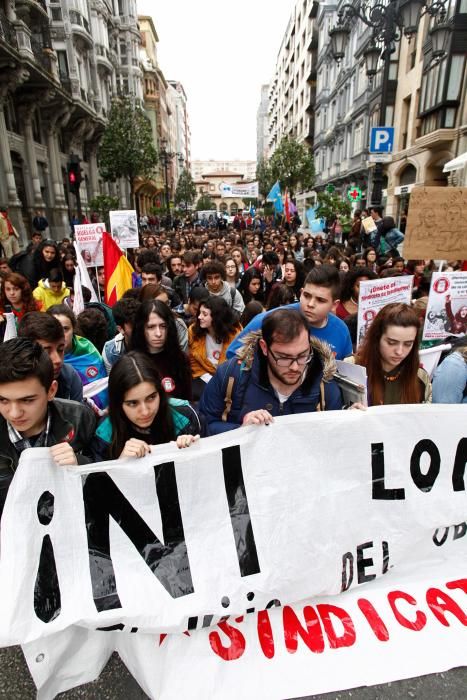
(243, 522)
(124, 228)
(436, 224)
(88, 239)
(248, 189)
(374, 294)
(446, 312)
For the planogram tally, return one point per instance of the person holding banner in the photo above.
(390, 354)
(280, 370)
(141, 414)
(32, 416)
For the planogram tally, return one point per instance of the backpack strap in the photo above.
(228, 399)
(322, 398)
(232, 296)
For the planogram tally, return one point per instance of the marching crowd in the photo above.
(224, 326)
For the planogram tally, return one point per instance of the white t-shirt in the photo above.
(213, 350)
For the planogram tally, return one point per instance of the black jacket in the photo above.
(70, 422)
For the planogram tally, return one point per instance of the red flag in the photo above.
(118, 271)
(287, 206)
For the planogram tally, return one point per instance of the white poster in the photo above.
(374, 294)
(124, 228)
(241, 523)
(446, 313)
(88, 240)
(249, 189)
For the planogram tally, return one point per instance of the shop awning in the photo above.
(456, 163)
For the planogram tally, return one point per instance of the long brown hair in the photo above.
(27, 300)
(369, 355)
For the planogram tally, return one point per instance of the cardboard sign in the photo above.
(436, 224)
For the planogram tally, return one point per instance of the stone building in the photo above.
(62, 62)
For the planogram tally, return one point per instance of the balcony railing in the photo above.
(77, 18)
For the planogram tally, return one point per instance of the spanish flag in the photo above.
(117, 270)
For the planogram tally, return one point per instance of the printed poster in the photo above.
(88, 239)
(446, 313)
(124, 228)
(374, 294)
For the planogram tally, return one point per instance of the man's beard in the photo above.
(285, 380)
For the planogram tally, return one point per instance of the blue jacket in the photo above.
(252, 389)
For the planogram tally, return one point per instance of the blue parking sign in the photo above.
(382, 139)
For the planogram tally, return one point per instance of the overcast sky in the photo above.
(221, 52)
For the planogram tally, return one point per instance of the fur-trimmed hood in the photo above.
(246, 353)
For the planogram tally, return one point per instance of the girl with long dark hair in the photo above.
(348, 303)
(389, 352)
(209, 337)
(294, 276)
(140, 413)
(251, 285)
(155, 334)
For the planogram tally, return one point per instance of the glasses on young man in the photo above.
(301, 360)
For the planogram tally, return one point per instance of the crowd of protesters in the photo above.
(225, 325)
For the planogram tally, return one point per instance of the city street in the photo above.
(115, 683)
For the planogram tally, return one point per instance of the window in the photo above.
(62, 64)
(358, 138)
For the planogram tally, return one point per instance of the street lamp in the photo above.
(388, 22)
(166, 157)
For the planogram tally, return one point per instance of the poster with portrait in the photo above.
(374, 294)
(88, 240)
(124, 228)
(446, 312)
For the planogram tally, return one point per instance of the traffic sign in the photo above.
(354, 194)
(382, 139)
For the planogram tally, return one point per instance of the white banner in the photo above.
(446, 312)
(374, 294)
(183, 540)
(124, 228)
(249, 189)
(88, 240)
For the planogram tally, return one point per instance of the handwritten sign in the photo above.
(436, 224)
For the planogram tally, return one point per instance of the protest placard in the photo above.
(446, 312)
(239, 524)
(88, 239)
(124, 228)
(436, 224)
(374, 294)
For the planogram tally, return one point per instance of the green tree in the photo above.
(186, 190)
(205, 202)
(101, 205)
(330, 204)
(292, 164)
(127, 149)
(264, 177)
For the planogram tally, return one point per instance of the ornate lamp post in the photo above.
(166, 158)
(388, 21)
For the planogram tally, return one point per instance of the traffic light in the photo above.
(74, 174)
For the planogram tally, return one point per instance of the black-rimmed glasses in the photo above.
(301, 360)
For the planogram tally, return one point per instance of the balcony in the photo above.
(43, 54)
(103, 57)
(80, 26)
(30, 10)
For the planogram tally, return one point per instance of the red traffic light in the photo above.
(72, 177)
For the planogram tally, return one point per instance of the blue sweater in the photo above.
(335, 333)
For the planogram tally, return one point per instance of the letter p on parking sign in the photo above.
(382, 139)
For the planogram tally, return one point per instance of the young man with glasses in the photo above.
(278, 371)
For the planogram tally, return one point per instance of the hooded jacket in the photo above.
(252, 389)
(47, 296)
(70, 422)
(234, 301)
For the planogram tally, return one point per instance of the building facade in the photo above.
(262, 125)
(426, 105)
(292, 90)
(246, 169)
(209, 183)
